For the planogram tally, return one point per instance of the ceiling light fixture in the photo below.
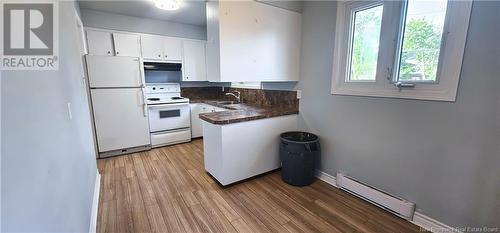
(169, 5)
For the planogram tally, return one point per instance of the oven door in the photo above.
(169, 116)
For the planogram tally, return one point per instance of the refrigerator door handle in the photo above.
(144, 105)
(143, 76)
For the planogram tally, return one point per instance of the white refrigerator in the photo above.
(118, 104)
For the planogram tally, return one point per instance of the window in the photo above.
(401, 49)
(364, 46)
(421, 41)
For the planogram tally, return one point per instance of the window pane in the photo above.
(365, 42)
(422, 36)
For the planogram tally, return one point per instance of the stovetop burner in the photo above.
(164, 94)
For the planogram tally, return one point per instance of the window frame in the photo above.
(353, 9)
(450, 58)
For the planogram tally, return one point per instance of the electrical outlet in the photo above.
(299, 94)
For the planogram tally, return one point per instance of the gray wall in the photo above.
(443, 156)
(48, 165)
(112, 21)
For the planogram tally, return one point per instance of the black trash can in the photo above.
(298, 153)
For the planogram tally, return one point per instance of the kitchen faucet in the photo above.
(238, 97)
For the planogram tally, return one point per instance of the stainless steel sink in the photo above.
(226, 102)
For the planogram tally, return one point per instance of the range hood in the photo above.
(162, 66)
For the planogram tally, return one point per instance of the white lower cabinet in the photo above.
(238, 151)
(196, 122)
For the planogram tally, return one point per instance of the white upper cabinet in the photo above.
(172, 49)
(191, 53)
(113, 44)
(250, 41)
(194, 63)
(128, 45)
(100, 43)
(152, 47)
(278, 56)
(158, 48)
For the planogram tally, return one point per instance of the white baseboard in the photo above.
(331, 180)
(431, 224)
(95, 204)
(419, 219)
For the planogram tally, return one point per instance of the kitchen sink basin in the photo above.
(226, 102)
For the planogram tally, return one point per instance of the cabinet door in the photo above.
(282, 60)
(152, 47)
(172, 49)
(100, 43)
(239, 40)
(127, 45)
(272, 53)
(194, 64)
(196, 122)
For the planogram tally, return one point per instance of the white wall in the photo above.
(443, 156)
(48, 165)
(112, 21)
(296, 6)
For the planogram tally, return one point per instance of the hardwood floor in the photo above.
(167, 190)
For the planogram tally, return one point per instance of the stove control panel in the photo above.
(163, 88)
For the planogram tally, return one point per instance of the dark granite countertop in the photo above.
(241, 112)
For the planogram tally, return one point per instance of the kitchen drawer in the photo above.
(170, 137)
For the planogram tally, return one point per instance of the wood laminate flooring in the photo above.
(168, 190)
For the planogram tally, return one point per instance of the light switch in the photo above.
(299, 94)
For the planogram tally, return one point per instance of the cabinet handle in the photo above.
(159, 55)
(166, 56)
(117, 52)
(187, 77)
(109, 52)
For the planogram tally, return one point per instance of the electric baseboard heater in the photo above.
(389, 202)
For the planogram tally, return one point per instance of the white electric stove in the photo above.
(169, 114)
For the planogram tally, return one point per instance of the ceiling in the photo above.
(190, 11)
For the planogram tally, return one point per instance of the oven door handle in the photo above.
(157, 106)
